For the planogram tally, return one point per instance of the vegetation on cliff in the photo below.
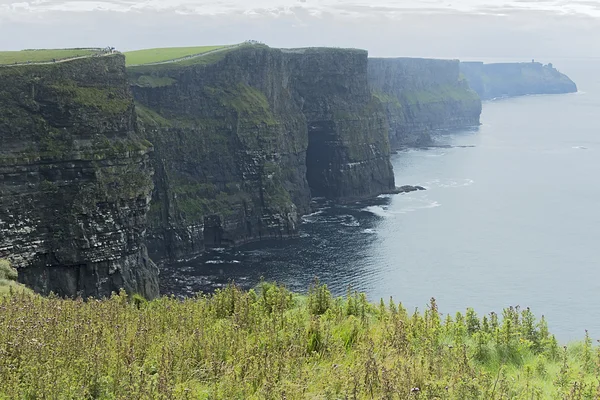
(270, 343)
(149, 56)
(8, 280)
(43, 55)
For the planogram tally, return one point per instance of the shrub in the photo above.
(267, 343)
(7, 272)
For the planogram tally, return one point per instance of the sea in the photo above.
(510, 217)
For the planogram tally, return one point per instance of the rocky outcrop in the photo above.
(515, 79)
(407, 189)
(241, 142)
(75, 180)
(422, 96)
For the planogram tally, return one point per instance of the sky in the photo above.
(466, 29)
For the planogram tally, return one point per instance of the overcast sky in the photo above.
(515, 29)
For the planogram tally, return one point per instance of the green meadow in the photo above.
(149, 56)
(46, 55)
(269, 343)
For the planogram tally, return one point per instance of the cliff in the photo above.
(515, 79)
(243, 138)
(75, 180)
(422, 96)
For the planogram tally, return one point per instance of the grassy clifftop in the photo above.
(149, 56)
(272, 344)
(43, 55)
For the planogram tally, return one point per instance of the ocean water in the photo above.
(511, 217)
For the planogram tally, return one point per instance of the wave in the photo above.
(410, 204)
(353, 222)
(435, 155)
(425, 206)
(313, 217)
(215, 262)
(449, 183)
(377, 210)
(580, 147)
(369, 231)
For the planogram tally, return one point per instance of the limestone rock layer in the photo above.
(75, 179)
(243, 142)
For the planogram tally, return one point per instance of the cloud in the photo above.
(521, 29)
(356, 7)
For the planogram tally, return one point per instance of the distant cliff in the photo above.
(422, 96)
(242, 141)
(75, 179)
(515, 79)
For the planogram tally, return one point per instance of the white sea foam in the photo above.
(435, 155)
(369, 231)
(350, 221)
(377, 210)
(313, 217)
(215, 262)
(449, 183)
(409, 204)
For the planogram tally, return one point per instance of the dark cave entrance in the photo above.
(319, 159)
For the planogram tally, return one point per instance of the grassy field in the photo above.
(148, 56)
(36, 56)
(271, 344)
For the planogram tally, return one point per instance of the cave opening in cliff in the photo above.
(319, 155)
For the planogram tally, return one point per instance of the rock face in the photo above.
(241, 142)
(515, 79)
(348, 154)
(75, 180)
(422, 96)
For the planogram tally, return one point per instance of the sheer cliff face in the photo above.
(422, 96)
(515, 79)
(348, 151)
(74, 179)
(232, 136)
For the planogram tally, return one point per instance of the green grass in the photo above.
(148, 56)
(35, 56)
(8, 284)
(271, 344)
(147, 71)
